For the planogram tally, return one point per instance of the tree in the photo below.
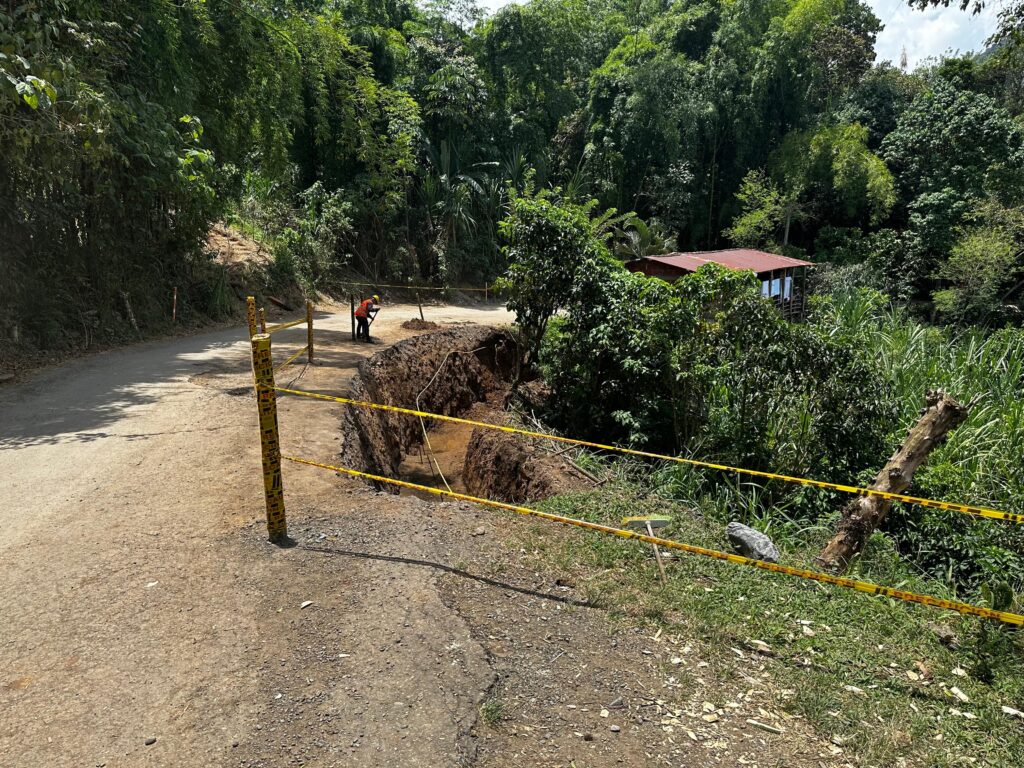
(983, 269)
(550, 242)
(764, 212)
(638, 238)
(954, 139)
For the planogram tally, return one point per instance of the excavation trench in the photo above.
(467, 372)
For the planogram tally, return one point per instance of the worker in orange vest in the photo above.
(365, 312)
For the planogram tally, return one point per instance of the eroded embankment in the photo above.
(466, 372)
(509, 468)
(446, 372)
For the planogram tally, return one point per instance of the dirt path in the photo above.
(130, 610)
(140, 602)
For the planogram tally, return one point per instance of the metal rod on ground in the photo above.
(309, 330)
(657, 555)
(263, 320)
(250, 314)
(174, 306)
(266, 404)
(649, 523)
(420, 305)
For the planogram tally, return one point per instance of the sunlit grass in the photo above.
(869, 643)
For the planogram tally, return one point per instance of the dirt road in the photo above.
(129, 611)
(144, 620)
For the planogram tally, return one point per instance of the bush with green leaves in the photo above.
(982, 275)
(708, 366)
(312, 246)
(552, 243)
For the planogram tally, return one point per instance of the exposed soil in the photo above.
(233, 249)
(509, 468)
(420, 325)
(444, 372)
(147, 622)
(462, 372)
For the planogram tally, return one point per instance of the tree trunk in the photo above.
(863, 515)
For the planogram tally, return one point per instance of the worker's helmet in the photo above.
(376, 297)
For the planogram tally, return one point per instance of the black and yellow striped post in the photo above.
(309, 330)
(263, 320)
(266, 403)
(250, 314)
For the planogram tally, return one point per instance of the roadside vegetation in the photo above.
(885, 683)
(707, 368)
(545, 145)
(389, 139)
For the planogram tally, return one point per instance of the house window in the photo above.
(778, 287)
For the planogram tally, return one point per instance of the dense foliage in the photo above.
(385, 137)
(707, 367)
(432, 142)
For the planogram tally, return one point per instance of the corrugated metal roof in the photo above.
(733, 258)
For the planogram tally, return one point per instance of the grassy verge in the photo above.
(873, 675)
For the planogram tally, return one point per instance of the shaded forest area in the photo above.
(384, 137)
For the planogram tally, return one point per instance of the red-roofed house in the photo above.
(782, 278)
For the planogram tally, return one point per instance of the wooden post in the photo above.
(266, 403)
(309, 330)
(131, 314)
(250, 314)
(942, 414)
(657, 556)
(352, 310)
(263, 320)
(174, 306)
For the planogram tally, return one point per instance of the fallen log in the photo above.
(279, 303)
(942, 414)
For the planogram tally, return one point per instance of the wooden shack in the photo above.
(783, 279)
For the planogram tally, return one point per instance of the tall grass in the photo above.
(983, 460)
(982, 463)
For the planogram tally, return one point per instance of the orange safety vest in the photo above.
(363, 310)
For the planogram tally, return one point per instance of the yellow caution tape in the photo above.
(422, 287)
(839, 581)
(282, 326)
(292, 359)
(967, 509)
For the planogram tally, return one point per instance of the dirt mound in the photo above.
(448, 370)
(233, 249)
(508, 468)
(420, 325)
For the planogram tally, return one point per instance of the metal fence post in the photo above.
(266, 403)
(352, 312)
(309, 330)
(250, 314)
(263, 320)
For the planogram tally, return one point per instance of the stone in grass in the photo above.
(750, 543)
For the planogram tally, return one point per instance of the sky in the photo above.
(923, 33)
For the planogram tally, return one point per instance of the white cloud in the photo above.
(932, 32)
